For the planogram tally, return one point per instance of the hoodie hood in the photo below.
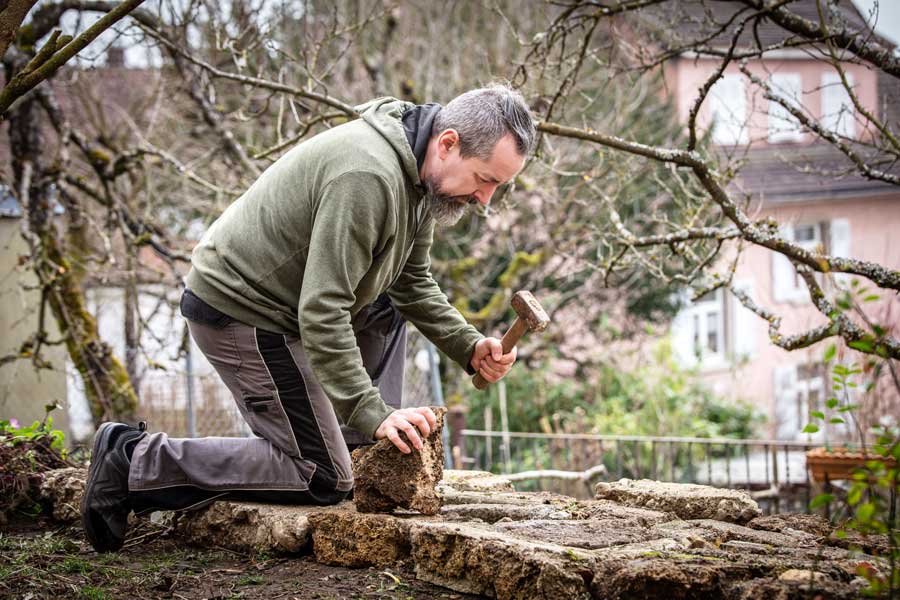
(385, 115)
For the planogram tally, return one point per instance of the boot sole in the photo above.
(101, 439)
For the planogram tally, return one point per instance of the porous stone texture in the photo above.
(475, 481)
(247, 526)
(62, 490)
(386, 479)
(352, 539)
(688, 501)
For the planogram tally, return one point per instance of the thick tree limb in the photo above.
(58, 55)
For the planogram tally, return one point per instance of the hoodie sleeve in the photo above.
(419, 298)
(346, 232)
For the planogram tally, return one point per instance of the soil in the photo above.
(38, 561)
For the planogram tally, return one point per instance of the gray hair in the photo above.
(482, 117)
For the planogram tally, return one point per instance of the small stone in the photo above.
(687, 501)
(62, 490)
(386, 479)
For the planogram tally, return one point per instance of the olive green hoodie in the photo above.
(326, 229)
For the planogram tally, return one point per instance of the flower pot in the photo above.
(839, 463)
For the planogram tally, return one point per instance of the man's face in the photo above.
(457, 182)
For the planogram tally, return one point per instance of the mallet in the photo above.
(529, 317)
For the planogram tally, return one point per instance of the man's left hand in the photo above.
(489, 360)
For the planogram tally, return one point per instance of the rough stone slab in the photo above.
(248, 526)
(452, 496)
(605, 509)
(386, 479)
(775, 589)
(729, 532)
(812, 525)
(688, 501)
(352, 539)
(662, 578)
(478, 560)
(491, 513)
(580, 534)
(62, 490)
(475, 481)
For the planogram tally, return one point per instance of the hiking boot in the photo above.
(105, 506)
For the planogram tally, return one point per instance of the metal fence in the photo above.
(773, 471)
(193, 402)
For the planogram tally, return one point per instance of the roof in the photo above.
(790, 173)
(686, 20)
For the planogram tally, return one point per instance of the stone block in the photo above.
(478, 560)
(250, 526)
(688, 501)
(352, 539)
(62, 490)
(386, 479)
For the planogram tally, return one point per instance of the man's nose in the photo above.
(484, 194)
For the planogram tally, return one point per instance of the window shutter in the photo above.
(728, 102)
(682, 333)
(783, 287)
(837, 108)
(839, 234)
(785, 386)
(745, 323)
(783, 126)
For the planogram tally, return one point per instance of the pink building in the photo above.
(820, 201)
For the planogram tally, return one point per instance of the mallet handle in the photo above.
(508, 341)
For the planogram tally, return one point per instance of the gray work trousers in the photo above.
(300, 454)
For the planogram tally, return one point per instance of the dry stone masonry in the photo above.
(635, 540)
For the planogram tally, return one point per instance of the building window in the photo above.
(783, 126)
(829, 237)
(837, 108)
(728, 110)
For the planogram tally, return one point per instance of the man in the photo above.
(298, 295)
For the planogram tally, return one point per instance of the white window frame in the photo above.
(729, 110)
(838, 113)
(783, 126)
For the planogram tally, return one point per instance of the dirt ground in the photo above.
(42, 562)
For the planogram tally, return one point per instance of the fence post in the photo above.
(504, 425)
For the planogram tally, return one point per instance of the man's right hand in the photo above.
(407, 420)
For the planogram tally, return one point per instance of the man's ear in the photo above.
(447, 140)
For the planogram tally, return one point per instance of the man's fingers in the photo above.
(419, 420)
(429, 415)
(412, 434)
(395, 438)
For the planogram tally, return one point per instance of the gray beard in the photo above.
(446, 210)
